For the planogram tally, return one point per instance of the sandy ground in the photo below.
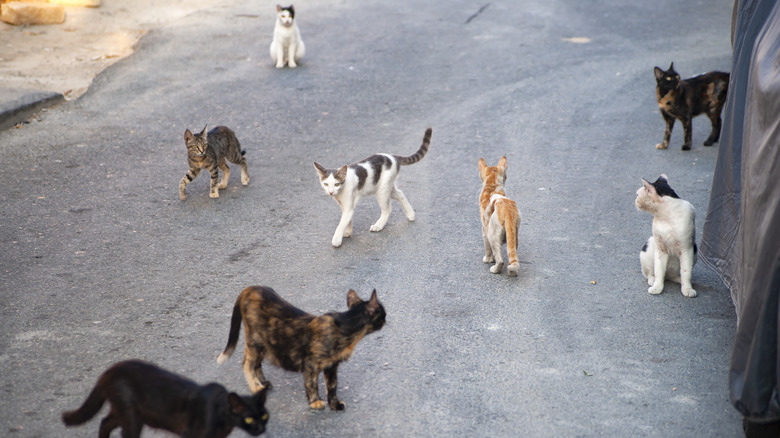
(66, 57)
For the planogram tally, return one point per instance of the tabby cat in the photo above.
(374, 175)
(670, 252)
(298, 341)
(143, 394)
(209, 151)
(686, 99)
(500, 218)
(287, 45)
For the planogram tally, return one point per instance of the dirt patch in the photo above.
(66, 57)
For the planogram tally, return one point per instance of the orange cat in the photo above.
(500, 218)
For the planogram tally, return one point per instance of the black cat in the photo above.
(143, 394)
(686, 99)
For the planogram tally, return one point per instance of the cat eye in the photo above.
(264, 417)
(249, 420)
(338, 184)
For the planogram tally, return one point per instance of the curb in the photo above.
(17, 106)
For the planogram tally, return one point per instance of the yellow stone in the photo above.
(84, 3)
(31, 13)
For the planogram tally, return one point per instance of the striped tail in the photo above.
(511, 246)
(235, 328)
(89, 409)
(404, 161)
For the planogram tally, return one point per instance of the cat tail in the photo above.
(89, 409)
(411, 159)
(235, 328)
(511, 245)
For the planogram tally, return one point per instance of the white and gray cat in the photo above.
(374, 175)
(287, 45)
(670, 252)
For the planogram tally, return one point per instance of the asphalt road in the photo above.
(101, 262)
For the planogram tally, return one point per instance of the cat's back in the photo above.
(263, 301)
(368, 173)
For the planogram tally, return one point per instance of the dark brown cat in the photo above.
(143, 394)
(686, 99)
(298, 341)
(209, 151)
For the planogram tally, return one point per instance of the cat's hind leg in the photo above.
(331, 383)
(383, 198)
(488, 250)
(188, 177)
(496, 237)
(716, 124)
(405, 205)
(225, 176)
(107, 424)
(253, 368)
(686, 270)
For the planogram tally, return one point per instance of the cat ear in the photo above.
(203, 133)
(648, 187)
(188, 136)
(292, 11)
(341, 174)
(658, 73)
(236, 404)
(502, 166)
(664, 177)
(353, 298)
(482, 166)
(278, 8)
(321, 170)
(373, 303)
(671, 66)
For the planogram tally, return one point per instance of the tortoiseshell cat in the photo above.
(209, 151)
(298, 341)
(143, 394)
(374, 175)
(686, 99)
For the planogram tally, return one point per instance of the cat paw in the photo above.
(376, 228)
(214, 195)
(319, 405)
(279, 65)
(709, 143)
(513, 269)
(689, 292)
(661, 146)
(488, 259)
(183, 196)
(650, 281)
(686, 147)
(336, 241)
(655, 290)
(292, 64)
(496, 269)
(245, 181)
(337, 405)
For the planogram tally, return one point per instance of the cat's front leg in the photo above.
(291, 55)
(668, 125)
(659, 269)
(344, 223)
(214, 191)
(686, 270)
(348, 231)
(310, 377)
(687, 133)
(331, 383)
(277, 53)
(188, 177)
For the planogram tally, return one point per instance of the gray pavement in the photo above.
(18, 105)
(101, 261)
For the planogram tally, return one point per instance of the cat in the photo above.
(670, 252)
(141, 393)
(209, 151)
(686, 99)
(287, 45)
(374, 175)
(500, 218)
(298, 341)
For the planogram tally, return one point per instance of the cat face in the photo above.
(495, 175)
(651, 193)
(373, 308)
(285, 15)
(332, 182)
(249, 412)
(668, 78)
(196, 144)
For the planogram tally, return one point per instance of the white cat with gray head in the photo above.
(670, 252)
(287, 45)
(374, 175)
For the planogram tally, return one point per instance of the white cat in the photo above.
(671, 252)
(287, 45)
(374, 175)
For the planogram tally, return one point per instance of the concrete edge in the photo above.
(22, 105)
